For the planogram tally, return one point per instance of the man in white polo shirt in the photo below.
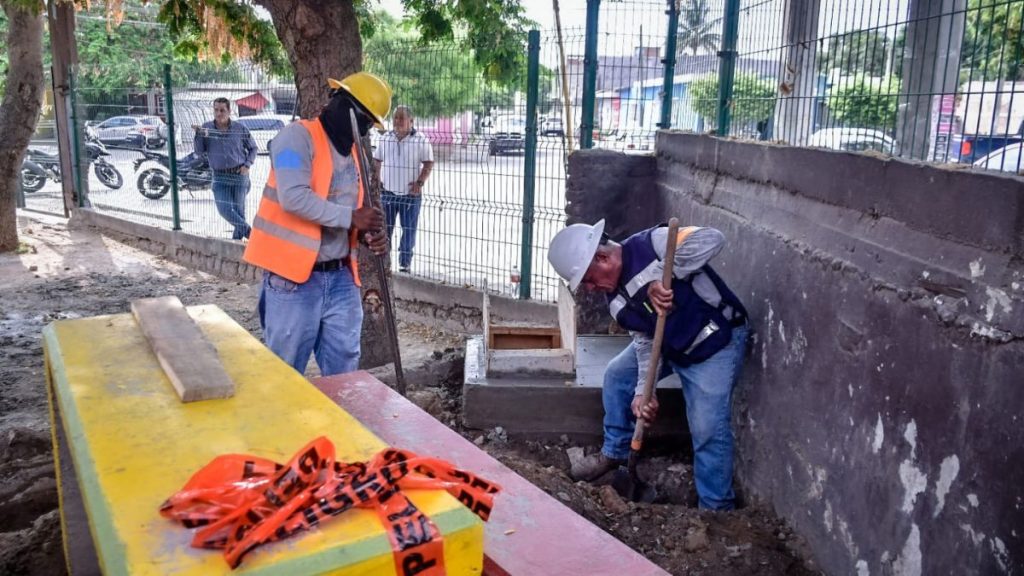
(407, 159)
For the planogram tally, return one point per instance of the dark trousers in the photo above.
(406, 208)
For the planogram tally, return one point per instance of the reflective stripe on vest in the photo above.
(651, 272)
(287, 244)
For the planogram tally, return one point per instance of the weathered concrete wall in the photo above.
(618, 188)
(882, 406)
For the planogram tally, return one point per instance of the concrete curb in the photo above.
(456, 308)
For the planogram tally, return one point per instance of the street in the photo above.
(470, 226)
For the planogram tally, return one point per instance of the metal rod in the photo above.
(363, 168)
(589, 75)
(670, 65)
(529, 164)
(172, 156)
(76, 149)
(727, 70)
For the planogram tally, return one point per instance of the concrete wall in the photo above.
(451, 307)
(882, 403)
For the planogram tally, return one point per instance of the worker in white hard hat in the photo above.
(311, 220)
(704, 342)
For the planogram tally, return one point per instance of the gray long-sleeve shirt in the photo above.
(291, 155)
(697, 250)
(226, 148)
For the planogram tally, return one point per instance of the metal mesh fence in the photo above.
(933, 80)
(40, 187)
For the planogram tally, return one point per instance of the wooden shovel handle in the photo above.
(659, 331)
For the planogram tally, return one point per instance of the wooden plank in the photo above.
(567, 318)
(485, 319)
(187, 357)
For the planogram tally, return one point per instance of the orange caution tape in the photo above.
(243, 501)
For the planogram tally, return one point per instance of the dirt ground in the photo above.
(63, 273)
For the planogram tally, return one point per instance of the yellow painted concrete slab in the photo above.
(134, 443)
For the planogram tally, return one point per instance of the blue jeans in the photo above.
(323, 316)
(707, 388)
(407, 208)
(229, 192)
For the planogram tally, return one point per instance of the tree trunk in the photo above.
(19, 110)
(322, 40)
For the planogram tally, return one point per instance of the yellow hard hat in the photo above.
(369, 90)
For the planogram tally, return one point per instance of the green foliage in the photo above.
(695, 30)
(993, 46)
(866, 103)
(439, 78)
(753, 98)
(493, 30)
(130, 59)
(3, 45)
(436, 79)
(860, 52)
(194, 38)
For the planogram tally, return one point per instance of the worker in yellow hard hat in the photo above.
(310, 221)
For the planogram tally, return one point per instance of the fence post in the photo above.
(589, 75)
(670, 65)
(727, 67)
(530, 164)
(76, 148)
(172, 156)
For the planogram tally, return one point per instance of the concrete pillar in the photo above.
(931, 67)
(794, 109)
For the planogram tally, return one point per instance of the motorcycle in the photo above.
(40, 166)
(154, 174)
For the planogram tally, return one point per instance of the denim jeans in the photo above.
(707, 389)
(407, 209)
(229, 192)
(323, 316)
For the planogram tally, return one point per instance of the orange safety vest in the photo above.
(286, 244)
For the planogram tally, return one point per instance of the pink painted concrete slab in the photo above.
(548, 537)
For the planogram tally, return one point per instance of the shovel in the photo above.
(626, 481)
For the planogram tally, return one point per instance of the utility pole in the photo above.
(794, 109)
(60, 17)
(931, 69)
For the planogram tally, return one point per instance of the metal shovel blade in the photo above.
(628, 484)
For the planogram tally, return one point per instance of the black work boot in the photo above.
(594, 466)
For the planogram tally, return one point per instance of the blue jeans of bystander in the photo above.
(407, 209)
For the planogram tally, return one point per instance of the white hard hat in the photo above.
(572, 250)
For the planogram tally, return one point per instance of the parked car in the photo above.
(853, 140)
(974, 147)
(506, 134)
(132, 130)
(552, 126)
(634, 140)
(264, 128)
(1006, 159)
